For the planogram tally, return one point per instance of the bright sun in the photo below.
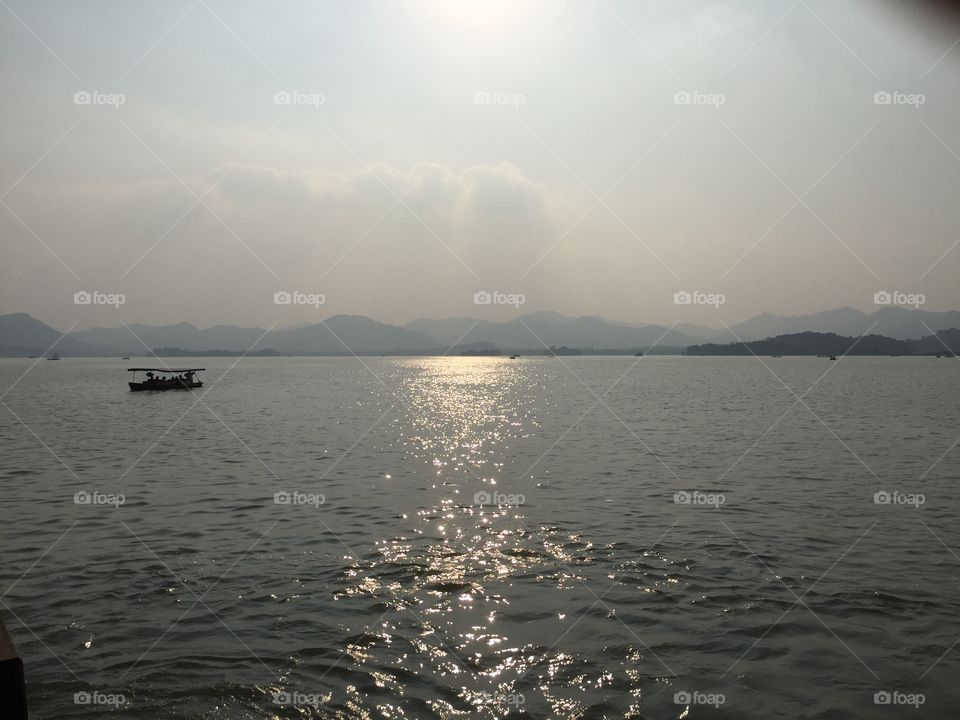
(480, 17)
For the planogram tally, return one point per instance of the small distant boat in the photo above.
(125, 357)
(182, 379)
(514, 357)
(638, 354)
(53, 356)
(833, 357)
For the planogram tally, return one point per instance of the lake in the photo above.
(580, 537)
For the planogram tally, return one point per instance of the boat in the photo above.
(125, 357)
(53, 356)
(833, 357)
(638, 354)
(179, 379)
(514, 357)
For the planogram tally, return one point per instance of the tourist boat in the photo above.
(182, 379)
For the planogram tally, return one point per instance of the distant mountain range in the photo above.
(944, 342)
(23, 335)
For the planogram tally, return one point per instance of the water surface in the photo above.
(495, 537)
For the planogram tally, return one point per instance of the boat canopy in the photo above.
(167, 370)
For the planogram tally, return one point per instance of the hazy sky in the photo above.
(435, 148)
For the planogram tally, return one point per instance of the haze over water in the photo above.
(422, 529)
(493, 537)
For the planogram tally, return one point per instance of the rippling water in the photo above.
(480, 537)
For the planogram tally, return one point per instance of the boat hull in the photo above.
(144, 387)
